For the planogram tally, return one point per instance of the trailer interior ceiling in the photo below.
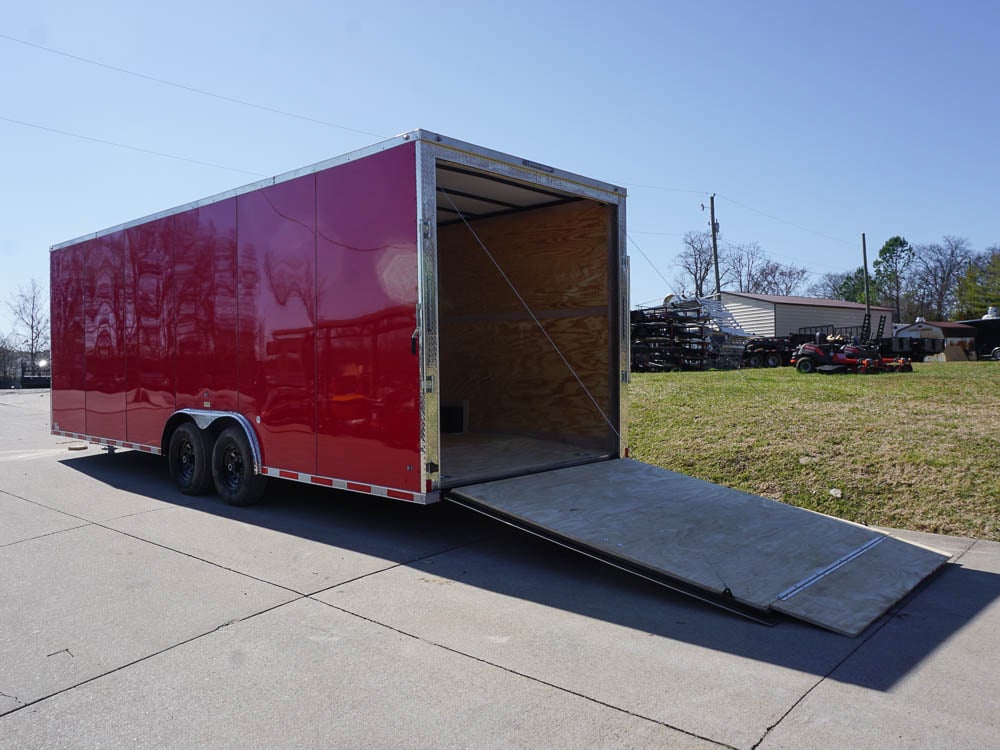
(509, 403)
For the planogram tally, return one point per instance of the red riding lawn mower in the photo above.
(837, 357)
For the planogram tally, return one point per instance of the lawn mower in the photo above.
(833, 356)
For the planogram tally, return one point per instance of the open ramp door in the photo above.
(735, 549)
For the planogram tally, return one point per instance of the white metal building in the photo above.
(771, 315)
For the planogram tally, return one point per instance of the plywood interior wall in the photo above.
(493, 356)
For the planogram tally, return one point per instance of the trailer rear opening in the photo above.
(512, 258)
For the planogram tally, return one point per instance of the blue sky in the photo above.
(812, 122)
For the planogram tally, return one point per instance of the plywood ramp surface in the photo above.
(762, 553)
(469, 457)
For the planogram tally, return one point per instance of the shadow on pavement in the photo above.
(503, 560)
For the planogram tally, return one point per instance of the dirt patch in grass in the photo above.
(916, 450)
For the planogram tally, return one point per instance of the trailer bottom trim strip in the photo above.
(155, 450)
(422, 498)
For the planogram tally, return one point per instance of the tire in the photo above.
(755, 360)
(996, 354)
(773, 359)
(806, 365)
(187, 457)
(232, 469)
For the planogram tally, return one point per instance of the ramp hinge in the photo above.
(426, 228)
(429, 384)
(432, 468)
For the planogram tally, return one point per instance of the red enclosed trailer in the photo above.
(424, 319)
(339, 325)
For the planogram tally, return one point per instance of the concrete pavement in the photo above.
(133, 615)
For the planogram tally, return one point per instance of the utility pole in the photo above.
(864, 258)
(866, 331)
(715, 249)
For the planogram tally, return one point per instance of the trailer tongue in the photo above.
(745, 553)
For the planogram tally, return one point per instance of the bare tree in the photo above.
(828, 286)
(31, 319)
(742, 264)
(695, 262)
(939, 267)
(777, 278)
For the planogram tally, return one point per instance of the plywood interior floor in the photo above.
(473, 456)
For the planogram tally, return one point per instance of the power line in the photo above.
(785, 221)
(327, 123)
(737, 203)
(651, 264)
(191, 89)
(775, 262)
(126, 146)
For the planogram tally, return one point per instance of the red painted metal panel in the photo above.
(104, 322)
(68, 340)
(205, 306)
(149, 331)
(277, 319)
(368, 397)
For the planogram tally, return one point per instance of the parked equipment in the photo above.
(837, 357)
(769, 351)
(422, 320)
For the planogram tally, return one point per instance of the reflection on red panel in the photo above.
(149, 335)
(205, 306)
(68, 340)
(277, 316)
(104, 316)
(368, 398)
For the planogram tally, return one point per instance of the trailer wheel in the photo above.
(806, 365)
(755, 360)
(232, 469)
(187, 457)
(773, 359)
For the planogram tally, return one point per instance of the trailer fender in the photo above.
(207, 420)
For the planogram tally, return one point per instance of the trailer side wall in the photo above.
(150, 340)
(69, 367)
(369, 377)
(104, 331)
(293, 304)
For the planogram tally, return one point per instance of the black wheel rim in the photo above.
(186, 461)
(232, 469)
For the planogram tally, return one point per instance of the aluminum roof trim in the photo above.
(810, 301)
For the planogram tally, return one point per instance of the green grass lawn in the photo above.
(916, 450)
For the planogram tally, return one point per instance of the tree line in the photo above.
(946, 280)
(29, 338)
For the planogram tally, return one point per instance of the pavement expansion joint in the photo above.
(42, 536)
(402, 564)
(873, 630)
(122, 667)
(522, 675)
